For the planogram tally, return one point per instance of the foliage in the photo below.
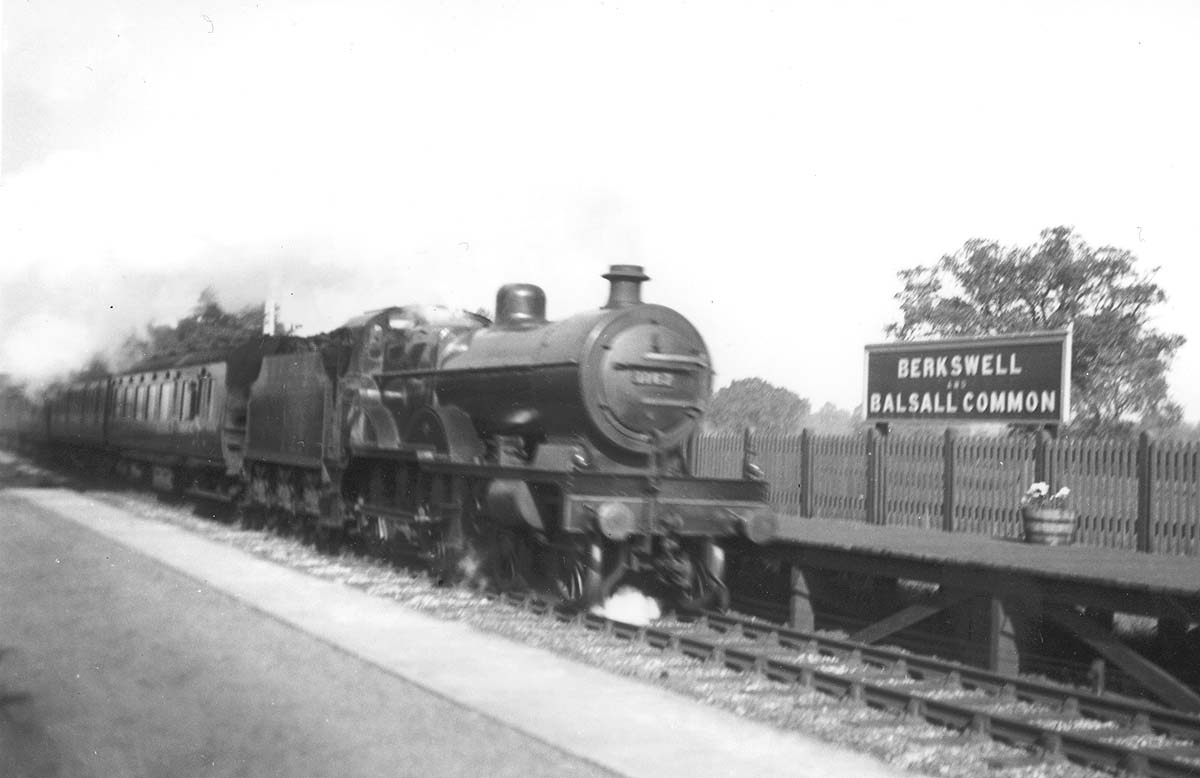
(757, 404)
(832, 420)
(209, 328)
(1119, 362)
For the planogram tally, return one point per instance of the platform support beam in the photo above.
(908, 616)
(1003, 651)
(1158, 681)
(803, 617)
(988, 625)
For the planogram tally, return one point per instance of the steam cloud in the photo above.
(630, 606)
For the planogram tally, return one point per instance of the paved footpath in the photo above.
(147, 650)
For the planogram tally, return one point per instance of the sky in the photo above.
(773, 166)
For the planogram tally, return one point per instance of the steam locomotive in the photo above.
(552, 455)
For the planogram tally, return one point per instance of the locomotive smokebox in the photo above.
(626, 285)
(520, 305)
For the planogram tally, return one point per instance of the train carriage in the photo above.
(165, 421)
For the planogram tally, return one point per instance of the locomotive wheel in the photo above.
(447, 504)
(708, 589)
(512, 562)
(577, 572)
(448, 562)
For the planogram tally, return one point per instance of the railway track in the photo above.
(1047, 720)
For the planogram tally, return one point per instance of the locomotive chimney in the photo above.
(625, 285)
(520, 305)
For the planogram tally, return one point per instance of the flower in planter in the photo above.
(1038, 496)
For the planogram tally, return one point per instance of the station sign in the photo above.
(1010, 379)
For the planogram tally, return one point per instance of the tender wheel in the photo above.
(328, 539)
(274, 520)
(250, 517)
(308, 530)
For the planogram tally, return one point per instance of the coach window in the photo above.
(206, 382)
(168, 400)
(187, 408)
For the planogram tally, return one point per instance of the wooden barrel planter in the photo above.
(1049, 526)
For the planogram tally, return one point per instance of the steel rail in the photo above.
(1124, 711)
(902, 683)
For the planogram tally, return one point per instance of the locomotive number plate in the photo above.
(653, 378)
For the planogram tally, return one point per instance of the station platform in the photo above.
(1016, 581)
(141, 648)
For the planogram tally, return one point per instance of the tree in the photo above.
(1119, 363)
(209, 328)
(832, 420)
(757, 404)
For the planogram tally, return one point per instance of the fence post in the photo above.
(876, 496)
(748, 453)
(948, 481)
(1144, 527)
(806, 473)
(1041, 459)
(870, 486)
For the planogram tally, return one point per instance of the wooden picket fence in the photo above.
(1139, 495)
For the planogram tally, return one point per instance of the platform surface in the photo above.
(420, 696)
(1102, 567)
